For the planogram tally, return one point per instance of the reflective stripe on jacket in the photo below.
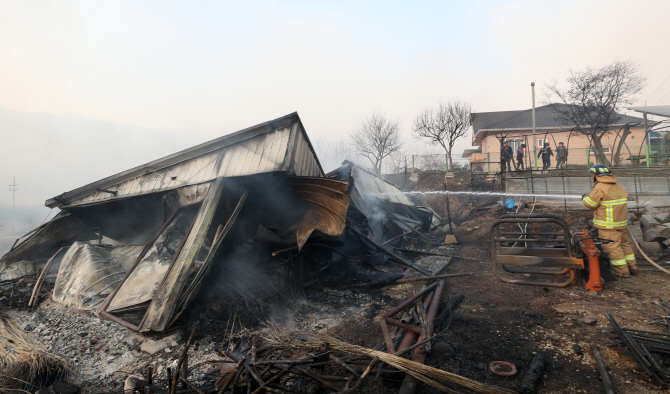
(609, 201)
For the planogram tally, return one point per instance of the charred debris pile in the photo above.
(245, 217)
(249, 217)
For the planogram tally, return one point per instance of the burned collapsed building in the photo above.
(137, 247)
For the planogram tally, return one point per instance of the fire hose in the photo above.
(644, 254)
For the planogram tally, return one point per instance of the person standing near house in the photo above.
(508, 155)
(561, 156)
(519, 156)
(609, 203)
(546, 154)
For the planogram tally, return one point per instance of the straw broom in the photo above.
(25, 363)
(281, 337)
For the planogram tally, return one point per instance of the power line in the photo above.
(659, 87)
(662, 98)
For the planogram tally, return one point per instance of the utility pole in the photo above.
(532, 87)
(12, 188)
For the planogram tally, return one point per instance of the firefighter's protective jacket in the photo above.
(609, 201)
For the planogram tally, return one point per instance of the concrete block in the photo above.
(662, 217)
(648, 208)
(648, 221)
(651, 247)
(653, 235)
(666, 243)
(632, 217)
(637, 233)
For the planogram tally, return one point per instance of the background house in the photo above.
(516, 127)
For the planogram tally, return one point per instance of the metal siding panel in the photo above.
(206, 171)
(226, 162)
(299, 156)
(235, 157)
(133, 185)
(152, 184)
(238, 160)
(252, 156)
(176, 173)
(191, 169)
(278, 150)
(262, 153)
(199, 164)
(265, 162)
(220, 154)
(303, 154)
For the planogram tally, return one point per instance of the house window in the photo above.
(514, 143)
(540, 142)
(606, 149)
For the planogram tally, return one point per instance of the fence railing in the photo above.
(574, 158)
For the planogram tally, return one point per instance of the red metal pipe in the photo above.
(409, 301)
(410, 384)
(386, 317)
(409, 337)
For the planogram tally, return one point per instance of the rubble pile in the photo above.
(651, 230)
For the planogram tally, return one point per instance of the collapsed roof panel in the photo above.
(388, 211)
(277, 145)
(89, 273)
(368, 184)
(42, 242)
(167, 224)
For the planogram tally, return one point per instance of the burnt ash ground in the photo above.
(495, 322)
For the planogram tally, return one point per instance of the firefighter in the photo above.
(609, 203)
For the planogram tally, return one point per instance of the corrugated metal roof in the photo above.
(278, 145)
(658, 110)
(545, 116)
(370, 185)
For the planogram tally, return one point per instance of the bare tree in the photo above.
(444, 125)
(396, 162)
(595, 97)
(377, 138)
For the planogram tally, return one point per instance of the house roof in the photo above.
(276, 145)
(546, 116)
(659, 110)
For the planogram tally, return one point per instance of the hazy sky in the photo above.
(186, 72)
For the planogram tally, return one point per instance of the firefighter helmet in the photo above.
(599, 170)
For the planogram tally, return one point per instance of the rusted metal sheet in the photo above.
(278, 145)
(329, 201)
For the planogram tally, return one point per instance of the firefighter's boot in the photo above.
(620, 270)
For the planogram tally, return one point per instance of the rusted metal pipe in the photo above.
(410, 384)
(409, 337)
(384, 319)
